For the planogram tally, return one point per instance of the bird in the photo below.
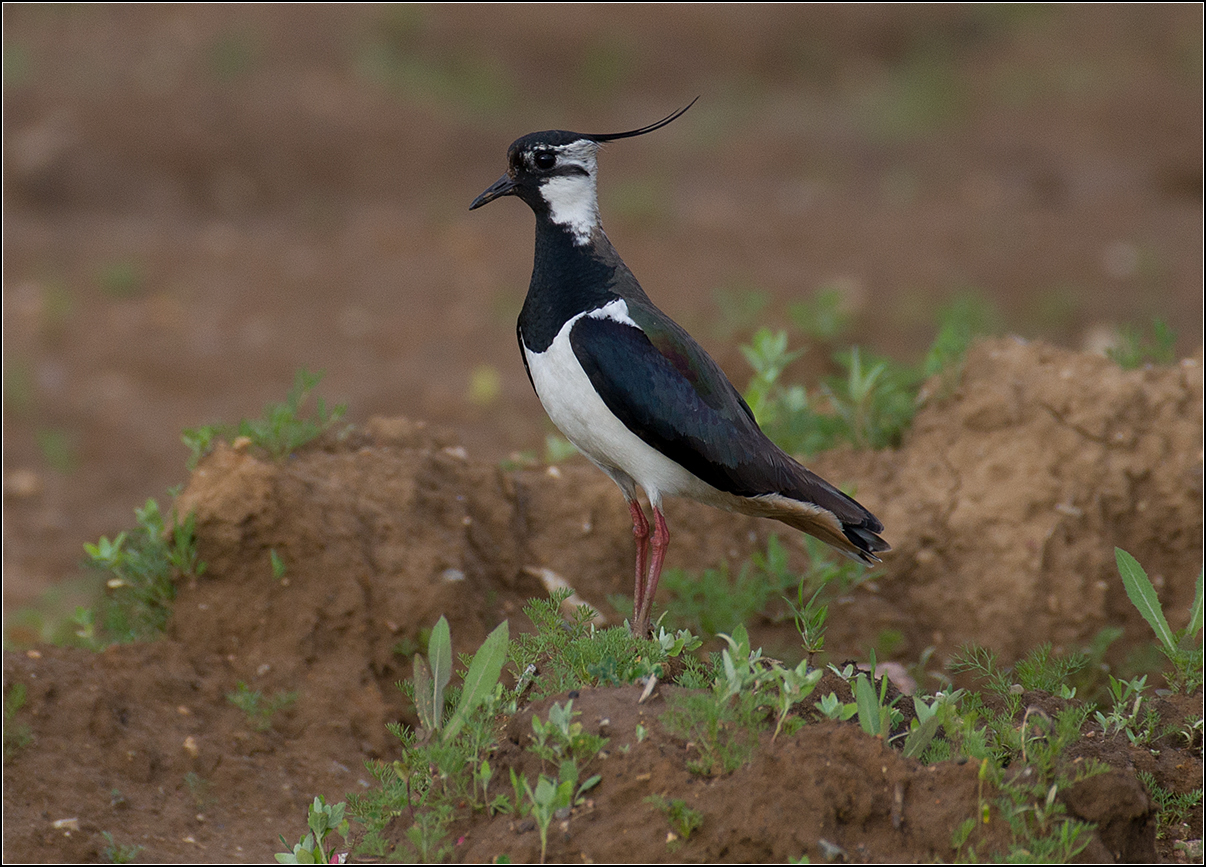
(631, 389)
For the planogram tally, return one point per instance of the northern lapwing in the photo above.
(631, 389)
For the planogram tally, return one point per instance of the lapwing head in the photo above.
(555, 173)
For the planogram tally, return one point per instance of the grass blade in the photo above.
(1143, 596)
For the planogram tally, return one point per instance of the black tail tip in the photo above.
(867, 543)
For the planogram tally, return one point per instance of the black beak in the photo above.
(504, 186)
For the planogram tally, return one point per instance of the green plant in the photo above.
(724, 721)
(322, 819)
(571, 653)
(928, 718)
(143, 563)
(118, 853)
(1040, 669)
(448, 764)
(1134, 349)
(824, 316)
(1029, 780)
(1172, 808)
(426, 835)
(876, 715)
(200, 790)
(258, 709)
(795, 685)
(827, 574)
(1183, 648)
(712, 603)
(560, 738)
(960, 321)
(683, 819)
(1124, 716)
(874, 399)
(17, 736)
(281, 431)
(552, 796)
(832, 708)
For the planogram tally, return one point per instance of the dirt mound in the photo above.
(1009, 496)
(1003, 505)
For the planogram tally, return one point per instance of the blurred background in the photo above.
(199, 200)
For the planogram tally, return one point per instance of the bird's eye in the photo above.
(544, 160)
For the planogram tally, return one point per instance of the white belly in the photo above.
(580, 414)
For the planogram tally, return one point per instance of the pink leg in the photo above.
(640, 530)
(660, 542)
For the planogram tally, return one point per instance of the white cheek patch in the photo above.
(573, 203)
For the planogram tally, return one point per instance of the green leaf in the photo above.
(480, 680)
(1143, 596)
(920, 737)
(439, 654)
(1195, 612)
(423, 694)
(868, 705)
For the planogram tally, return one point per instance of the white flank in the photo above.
(576, 408)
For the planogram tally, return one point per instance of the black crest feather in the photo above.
(670, 118)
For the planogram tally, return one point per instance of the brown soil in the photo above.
(394, 525)
(283, 207)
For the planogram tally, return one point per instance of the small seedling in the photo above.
(1134, 349)
(199, 788)
(480, 680)
(683, 819)
(118, 853)
(833, 708)
(561, 739)
(569, 652)
(1173, 809)
(723, 723)
(315, 848)
(795, 685)
(278, 564)
(281, 431)
(928, 717)
(17, 736)
(143, 565)
(874, 715)
(550, 797)
(825, 316)
(427, 834)
(259, 711)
